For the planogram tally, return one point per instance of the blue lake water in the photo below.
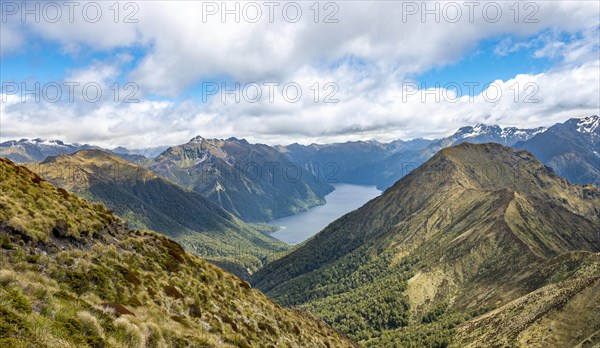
(346, 198)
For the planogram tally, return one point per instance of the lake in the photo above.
(346, 198)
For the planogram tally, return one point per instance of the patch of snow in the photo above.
(508, 131)
(475, 131)
(43, 142)
(588, 124)
(53, 143)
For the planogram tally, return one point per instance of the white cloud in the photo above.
(368, 54)
(11, 39)
(575, 50)
(373, 108)
(183, 49)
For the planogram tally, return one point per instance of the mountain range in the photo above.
(252, 181)
(336, 162)
(572, 148)
(481, 246)
(148, 201)
(486, 238)
(26, 150)
(74, 275)
(385, 172)
(35, 150)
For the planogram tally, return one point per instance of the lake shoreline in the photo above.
(297, 228)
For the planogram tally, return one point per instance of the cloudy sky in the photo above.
(155, 73)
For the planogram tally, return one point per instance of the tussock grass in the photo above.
(95, 283)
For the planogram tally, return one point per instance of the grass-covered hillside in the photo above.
(482, 245)
(147, 201)
(73, 275)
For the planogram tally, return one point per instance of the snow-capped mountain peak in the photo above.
(30, 150)
(44, 142)
(478, 130)
(588, 124)
(37, 142)
(494, 133)
(521, 133)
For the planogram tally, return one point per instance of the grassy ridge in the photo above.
(148, 201)
(73, 275)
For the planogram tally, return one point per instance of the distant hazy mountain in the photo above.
(481, 244)
(253, 181)
(336, 161)
(571, 148)
(385, 172)
(26, 150)
(74, 275)
(150, 152)
(150, 202)
(130, 155)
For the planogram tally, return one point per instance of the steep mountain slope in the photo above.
(73, 275)
(151, 202)
(387, 171)
(571, 148)
(252, 181)
(472, 229)
(334, 162)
